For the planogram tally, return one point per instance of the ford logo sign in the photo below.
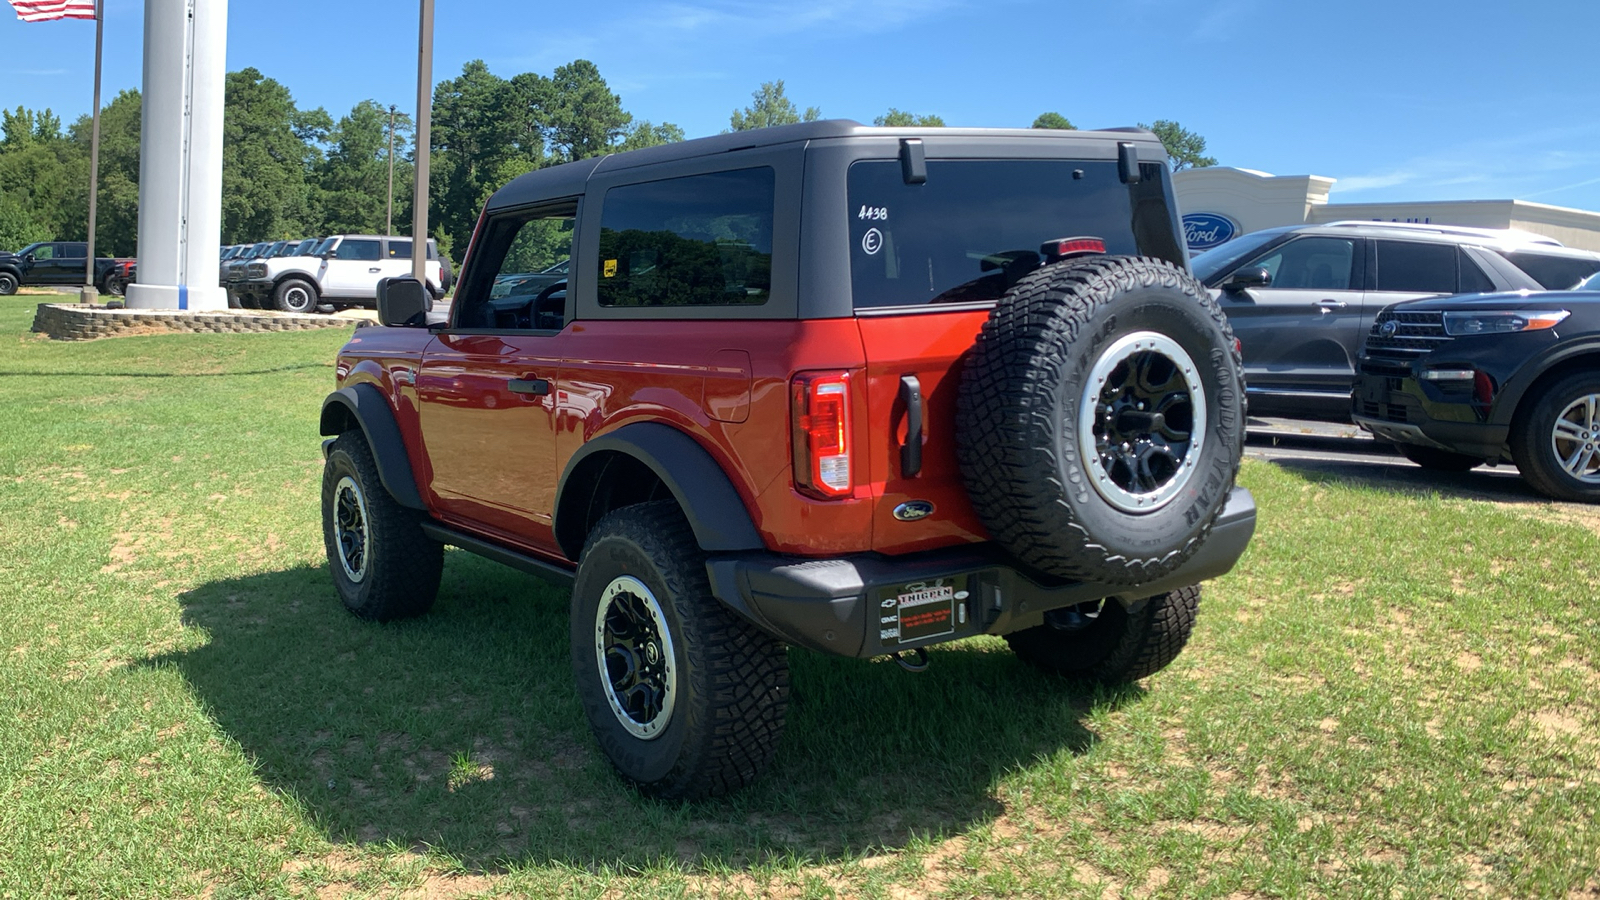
(912, 510)
(1202, 231)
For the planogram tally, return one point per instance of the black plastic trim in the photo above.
(827, 605)
(713, 507)
(550, 572)
(370, 409)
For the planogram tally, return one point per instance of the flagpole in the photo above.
(89, 293)
(419, 203)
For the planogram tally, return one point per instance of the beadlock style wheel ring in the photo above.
(634, 653)
(1141, 421)
(297, 298)
(1575, 439)
(351, 533)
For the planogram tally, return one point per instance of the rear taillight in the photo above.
(820, 411)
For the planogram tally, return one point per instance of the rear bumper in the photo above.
(847, 606)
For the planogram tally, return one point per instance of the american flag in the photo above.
(46, 10)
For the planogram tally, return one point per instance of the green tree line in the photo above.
(289, 172)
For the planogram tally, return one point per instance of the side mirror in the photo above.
(403, 302)
(27, 257)
(1252, 277)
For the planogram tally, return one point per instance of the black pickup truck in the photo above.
(50, 263)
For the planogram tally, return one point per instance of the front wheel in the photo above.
(1437, 460)
(295, 296)
(1556, 443)
(383, 565)
(1104, 641)
(8, 284)
(686, 699)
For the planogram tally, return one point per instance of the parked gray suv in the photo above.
(1301, 299)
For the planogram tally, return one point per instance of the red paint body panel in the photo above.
(929, 346)
(489, 460)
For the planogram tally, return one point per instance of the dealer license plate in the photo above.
(919, 610)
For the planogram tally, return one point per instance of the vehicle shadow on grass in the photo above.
(460, 731)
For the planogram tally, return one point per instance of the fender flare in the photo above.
(707, 497)
(366, 406)
(1515, 388)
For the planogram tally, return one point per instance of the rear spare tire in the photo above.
(1101, 419)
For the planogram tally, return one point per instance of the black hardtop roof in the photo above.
(568, 179)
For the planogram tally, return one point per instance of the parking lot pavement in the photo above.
(1346, 452)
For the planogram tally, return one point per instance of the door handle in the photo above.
(374, 271)
(535, 386)
(911, 450)
(1328, 306)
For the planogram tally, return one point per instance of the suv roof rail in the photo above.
(1511, 235)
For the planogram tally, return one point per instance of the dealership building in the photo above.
(1221, 203)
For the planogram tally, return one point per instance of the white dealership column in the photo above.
(180, 156)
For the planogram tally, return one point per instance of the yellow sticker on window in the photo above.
(610, 268)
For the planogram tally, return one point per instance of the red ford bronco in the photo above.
(861, 390)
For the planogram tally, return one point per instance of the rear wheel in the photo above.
(295, 295)
(686, 699)
(383, 566)
(1556, 442)
(1101, 419)
(1439, 460)
(1105, 642)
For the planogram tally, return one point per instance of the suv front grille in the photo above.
(1416, 334)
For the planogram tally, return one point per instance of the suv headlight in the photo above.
(256, 270)
(1501, 321)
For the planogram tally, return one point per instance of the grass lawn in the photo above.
(1394, 694)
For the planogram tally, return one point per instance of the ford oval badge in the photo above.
(912, 510)
(1202, 231)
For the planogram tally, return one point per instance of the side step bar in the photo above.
(557, 575)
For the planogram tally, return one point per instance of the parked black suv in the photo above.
(1302, 298)
(1459, 381)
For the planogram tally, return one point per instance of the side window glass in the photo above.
(1556, 273)
(702, 240)
(1473, 279)
(1311, 264)
(519, 281)
(1410, 267)
(366, 251)
(399, 249)
(45, 251)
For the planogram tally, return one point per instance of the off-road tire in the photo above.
(246, 301)
(8, 284)
(731, 681)
(1533, 449)
(400, 577)
(295, 295)
(1018, 419)
(113, 286)
(1436, 460)
(1117, 646)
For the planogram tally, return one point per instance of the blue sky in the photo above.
(1399, 100)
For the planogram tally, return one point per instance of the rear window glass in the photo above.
(976, 226)
(1418, 268)
(701, 240)
(1555, 273)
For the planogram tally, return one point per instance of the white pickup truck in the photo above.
(343, 270)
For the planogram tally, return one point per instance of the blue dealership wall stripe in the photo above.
(183, 296)
(1202, 231)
